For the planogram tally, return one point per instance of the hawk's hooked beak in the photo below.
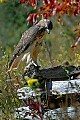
(48, 26)
(47, 30)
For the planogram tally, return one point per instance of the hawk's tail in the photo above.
(15, 62)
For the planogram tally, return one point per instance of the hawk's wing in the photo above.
(26, 40)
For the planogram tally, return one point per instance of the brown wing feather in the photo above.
(27, 38)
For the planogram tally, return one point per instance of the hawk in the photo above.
(30, 43)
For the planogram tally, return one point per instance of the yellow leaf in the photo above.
(77, 56)
(31, 81)
(3, 1)
(59, 96)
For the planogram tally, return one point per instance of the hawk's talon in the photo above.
(32, 63)
(35, 64)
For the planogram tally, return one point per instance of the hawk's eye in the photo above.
(50, 25)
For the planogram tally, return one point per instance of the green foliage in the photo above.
(8, 88)
(12, 22)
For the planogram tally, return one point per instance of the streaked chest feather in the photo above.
(37, 41)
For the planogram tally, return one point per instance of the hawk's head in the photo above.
(46, 24)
